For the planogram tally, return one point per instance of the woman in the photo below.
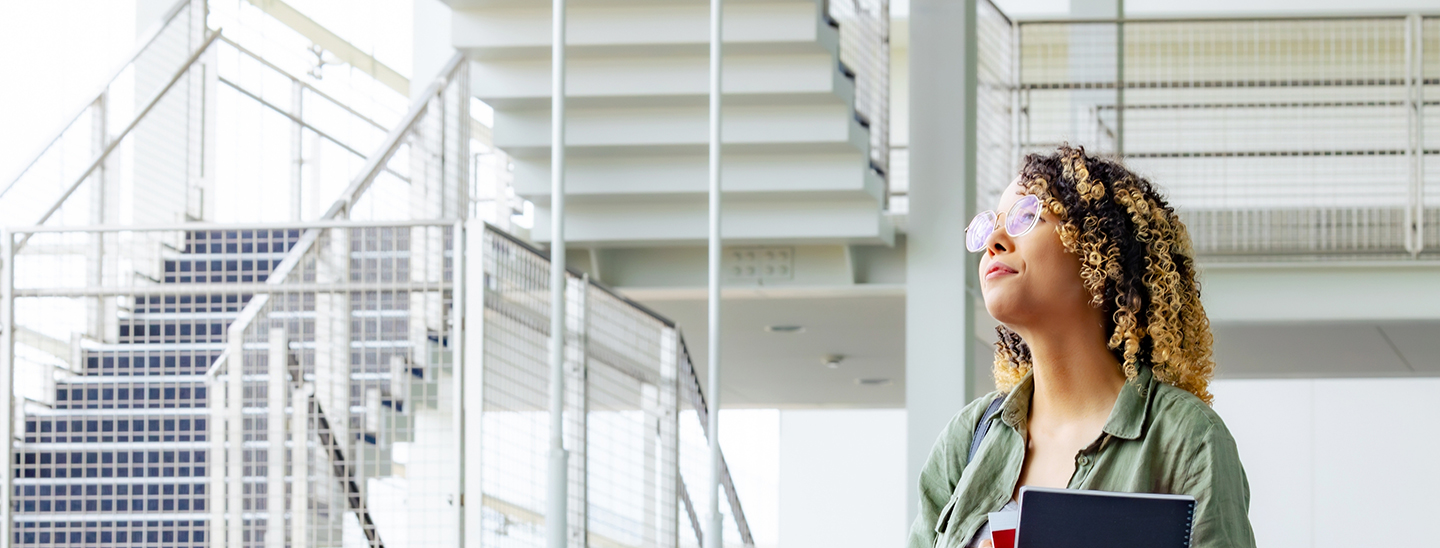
(1103, 361)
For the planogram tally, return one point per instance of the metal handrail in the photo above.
(115, 143)
(90, 99)
(1373, 15)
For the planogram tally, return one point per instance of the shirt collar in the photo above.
(1127, 418)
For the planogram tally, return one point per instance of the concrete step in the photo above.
(796, 129)
(673, 80)
(522, 30)
(642, 223)
(825, 177)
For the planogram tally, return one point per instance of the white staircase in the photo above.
(797, 166)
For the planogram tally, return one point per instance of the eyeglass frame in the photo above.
(994, 219)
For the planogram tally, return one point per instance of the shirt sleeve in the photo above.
(1222, 494)
(942, 470)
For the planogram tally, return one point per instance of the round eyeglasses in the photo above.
(1018, 222)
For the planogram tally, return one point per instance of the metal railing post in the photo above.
(469, 395)
(297, 154)
(712, 482)
(1119, 79)
(1415, 117)
(95, 267)
(300, 463)
(578, 390)
(555, 518)
(235, 432)
(275, 395)
(7, 387)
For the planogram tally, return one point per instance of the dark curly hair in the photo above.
(1137, 262)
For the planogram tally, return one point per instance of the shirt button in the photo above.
(1084, 461)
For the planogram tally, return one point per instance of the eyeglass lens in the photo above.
(1018, 221)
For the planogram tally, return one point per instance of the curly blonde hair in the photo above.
(1137, 263)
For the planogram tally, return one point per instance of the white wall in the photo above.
(1331, 463)
(1338, 462)
(842, 478)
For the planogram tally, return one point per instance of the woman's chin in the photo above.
(1002, 312)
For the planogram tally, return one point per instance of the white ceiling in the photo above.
(764, 369)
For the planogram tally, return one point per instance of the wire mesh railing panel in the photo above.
(1067, 86)
(631, 444)
(1272, 137)
(996, 160)
(865, 54)
(515, 442)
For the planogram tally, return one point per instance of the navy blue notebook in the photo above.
(1064, 518)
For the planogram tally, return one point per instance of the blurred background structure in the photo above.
(274, 273)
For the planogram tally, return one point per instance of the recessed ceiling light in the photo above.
(785, 328)
(872, 382)
(833, 361)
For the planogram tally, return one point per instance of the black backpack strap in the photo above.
(983, 427)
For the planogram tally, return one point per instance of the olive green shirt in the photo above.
(1157, 440)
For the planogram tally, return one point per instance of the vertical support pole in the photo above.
(578, 410)
(470, 290)
(669, 434)
(941, 276)
(1120, 79)
(556, 515)
(300, 464)
(235, 431)
(7, 386)
(712, 482)
(297, 151)
(275, 393)
(216, 431)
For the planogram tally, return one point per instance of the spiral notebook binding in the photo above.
(1189, 522)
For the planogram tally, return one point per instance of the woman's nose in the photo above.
(999, 242)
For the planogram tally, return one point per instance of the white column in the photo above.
(939, 311)
(275, 436)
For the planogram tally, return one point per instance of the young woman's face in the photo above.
(1029, 278)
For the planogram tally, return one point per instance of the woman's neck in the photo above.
(1076, 376)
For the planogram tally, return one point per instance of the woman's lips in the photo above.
(997, 269)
